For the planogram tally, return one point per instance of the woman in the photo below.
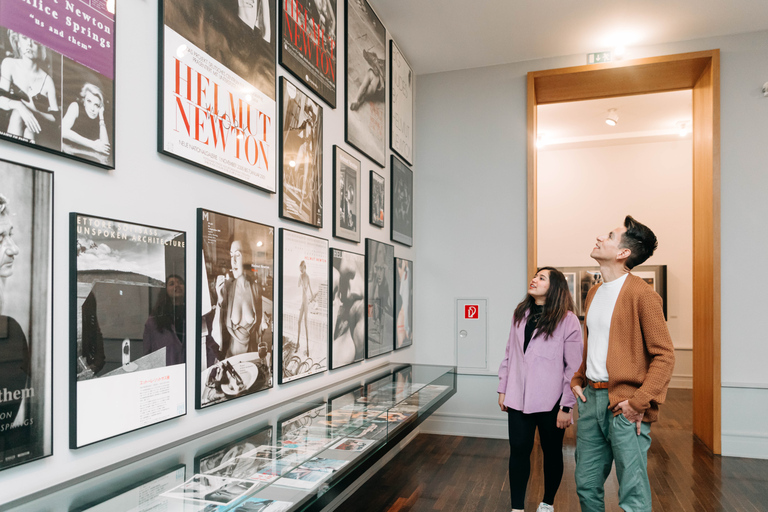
(166, 327)
(27, 91)
(83, 124)
(306, 298)
(543, 352)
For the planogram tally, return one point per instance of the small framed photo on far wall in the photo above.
(346, 195)
(377, 199)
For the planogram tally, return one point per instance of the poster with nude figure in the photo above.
(379, 293)
(366, 89)
(234, 304)
(57, 72)
(303, 330)
(348, 308)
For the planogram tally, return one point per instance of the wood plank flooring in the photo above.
(465, 474)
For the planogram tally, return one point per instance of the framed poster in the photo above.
(303, 331)
(401, 217)
(571, 278)
(58, 77)
(127, 327)
(346, 195)
(26, 277)
(366, 89)
(377, 199)
(400, 104)
(379, 288)
(301, 156)
(217, 87)
(235, 268)
(403, 303)
(347, 332)
(308, 44)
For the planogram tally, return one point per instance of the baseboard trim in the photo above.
(752, 445)
(466, 425)
(681, 382)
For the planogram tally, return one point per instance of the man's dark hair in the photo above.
(640, 240)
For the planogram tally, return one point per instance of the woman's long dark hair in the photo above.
(558, 303)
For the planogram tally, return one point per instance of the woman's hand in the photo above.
(501, 402)
(30, 121)
(100, 146)
(564, 419)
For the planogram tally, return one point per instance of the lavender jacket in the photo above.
(533, 381)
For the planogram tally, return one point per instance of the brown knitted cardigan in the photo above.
(641, 356)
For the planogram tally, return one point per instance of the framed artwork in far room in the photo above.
(400, 104)
(403, 303)
(379, 297)
(347, 334)
(346, 195)
(401, 212)
(377, 198)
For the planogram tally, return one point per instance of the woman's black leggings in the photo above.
(522, 430)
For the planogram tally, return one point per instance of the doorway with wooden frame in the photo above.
(699, 72)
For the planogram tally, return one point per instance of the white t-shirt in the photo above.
(599, 328)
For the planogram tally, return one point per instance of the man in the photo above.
(628, 362)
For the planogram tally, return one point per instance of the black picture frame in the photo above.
(309, 52)
(379, 300)
(400, 104)
(228, 453)
(217, 234)
(296, 249)
(403, 303)
(77, 78)
(26, 299)
(347, 313)
(194, 34)
(346, 195)
(377, 199)
(110, 276)
(301, 133)
(365, 91)
(401, 211)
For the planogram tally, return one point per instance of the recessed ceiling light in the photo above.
(612, 119)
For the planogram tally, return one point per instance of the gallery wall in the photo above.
(471, 127)
(651, 181)
(148, 188)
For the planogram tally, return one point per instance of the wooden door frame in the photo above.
(700, 72)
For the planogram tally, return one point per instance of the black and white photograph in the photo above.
(235, 307)
(229, 46)
(346, 195)
(301, 157)
(56, 93)
(347, 308)
(366, 90)
(400, 104)
(402, 203)
(403, 303)
(353, 445)
(26, 258)
(377, 198)
(127, 327)
(303, 331)
(308, 46)
(211, 489)
(379, 292)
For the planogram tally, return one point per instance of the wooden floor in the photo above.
(469, 474)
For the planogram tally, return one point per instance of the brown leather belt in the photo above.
(597, 385)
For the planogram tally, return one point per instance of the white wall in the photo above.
(148, 188)
(651, 181)
(471, 210)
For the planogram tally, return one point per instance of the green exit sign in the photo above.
(598, 58)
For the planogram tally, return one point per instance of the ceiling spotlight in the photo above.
(619, 52)
(683, 128)
(540, 142)
(612, 119)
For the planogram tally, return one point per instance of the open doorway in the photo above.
(699, 73)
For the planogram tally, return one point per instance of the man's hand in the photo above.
(578, 393)
(564, 419)
(632, 415)
(501, 402)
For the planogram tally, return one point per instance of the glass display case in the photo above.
(298, 456)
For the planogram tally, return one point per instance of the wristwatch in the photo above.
(565, 409)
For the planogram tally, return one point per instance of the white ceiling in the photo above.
(443, 35)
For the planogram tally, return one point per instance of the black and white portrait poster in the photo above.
(379, 293)
(308, 44)
(402, 203)
(348, 308)
(128, 327)
(57, 77)
(26, 196)
(303, 331)
(236, 275)
(366, 81)
(346, 195)
(401, 104)
(218, 87)
(301, 157)
(403, 303)
(377, 199)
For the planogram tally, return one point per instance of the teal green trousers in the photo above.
(601, 440)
